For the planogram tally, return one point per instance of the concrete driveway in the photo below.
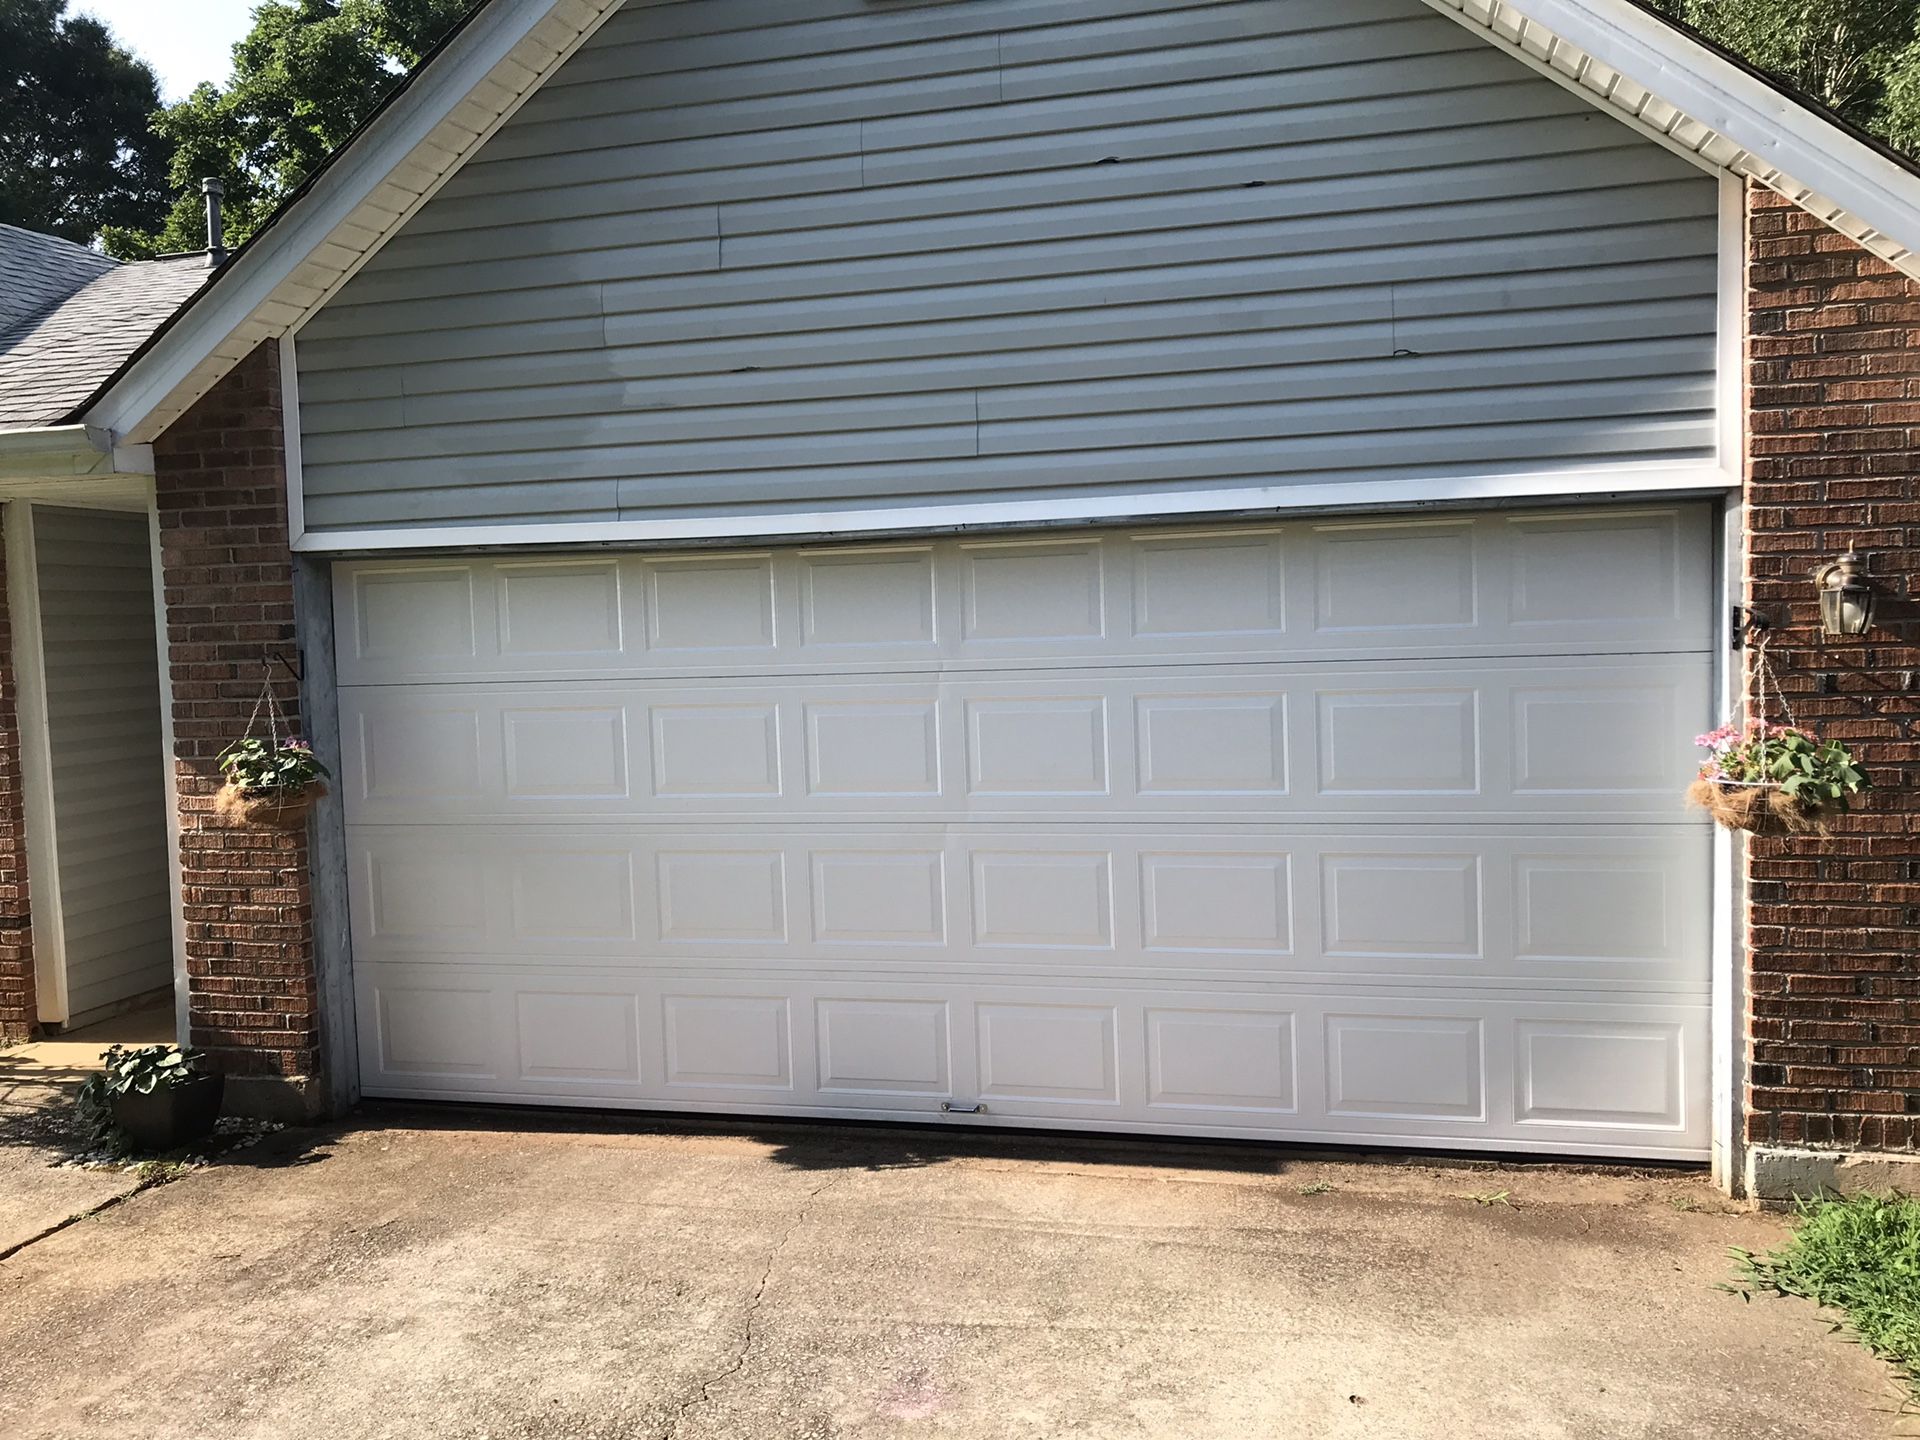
(457, 1275)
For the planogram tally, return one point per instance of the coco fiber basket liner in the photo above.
(266, 807)
(1757, 809)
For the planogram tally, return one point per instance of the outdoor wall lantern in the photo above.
(1846, 597)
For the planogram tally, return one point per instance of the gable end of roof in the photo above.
(1625, 60)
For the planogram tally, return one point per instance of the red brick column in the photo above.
(1833, 929)
(228, 573)
(17, 1008)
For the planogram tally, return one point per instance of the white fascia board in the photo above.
(69, 452)
(227, 321)
(55, 451)
(1585, 484)
(1702, 102)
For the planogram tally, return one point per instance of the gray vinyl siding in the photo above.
(103, 720)
(821, 254)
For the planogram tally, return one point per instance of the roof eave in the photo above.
(1622, 59)
(68, 452)
(347, 210)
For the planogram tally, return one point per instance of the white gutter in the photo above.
(69, 452)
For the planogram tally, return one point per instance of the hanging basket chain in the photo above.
(1765, 681)
(270, 703)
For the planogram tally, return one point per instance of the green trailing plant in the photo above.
(1859, 1255)
(136, 1070)
(258, 765)
(1763, 777)
(1819, 774)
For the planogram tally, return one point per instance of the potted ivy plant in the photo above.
(1769, 779)
(270, 780)
(152, 1097)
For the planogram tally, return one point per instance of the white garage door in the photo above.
(1342, 831)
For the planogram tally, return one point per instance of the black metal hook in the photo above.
(296, 667)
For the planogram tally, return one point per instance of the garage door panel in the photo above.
(1585, 1075)
(1576, 582)
(1571, 738)
(1467, 906)
(1353, 829)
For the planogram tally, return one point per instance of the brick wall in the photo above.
(17, 1011)
(228, 573)
(1834, 448)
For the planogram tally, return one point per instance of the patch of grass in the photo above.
(160, 1172)
(1493, 1197)
(1859, 1255)
(1318, 1187)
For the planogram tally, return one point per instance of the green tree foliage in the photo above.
(1861, 58)
(76, 153)
(306, 74)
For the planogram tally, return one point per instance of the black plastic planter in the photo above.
(171, 1117)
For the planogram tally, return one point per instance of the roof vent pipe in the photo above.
(216, 236)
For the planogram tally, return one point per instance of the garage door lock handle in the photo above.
(952, 1109)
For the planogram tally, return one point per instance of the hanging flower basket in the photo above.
(1770, 779)
(272, 779)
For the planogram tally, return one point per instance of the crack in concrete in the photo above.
(74, 1219)
(734, 1366)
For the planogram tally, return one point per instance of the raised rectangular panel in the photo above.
(718, 603)
(1399, 742)
(1034, 592)
(419, 753)
(566, 754)
(560, 609)
(572, 895)
(1578, 907)
(1595, 569)
(735, 1040)
(574, 1036)
(1598, 739)
(868, 897)
(1230, 902)
(417, 894)
(716, 750)
(1217, 584)
(873, 748)
(884, 1047)
(864, 597)
(1037, 746)
(1047, 1052)
(1401, 905)
(1212, 744)
(1043, 898)
(1221, 1060)
(1403, 1065)
(413, 614)
(427, 1030)
(712, 895)
(1393, 577)
(1577, 1073)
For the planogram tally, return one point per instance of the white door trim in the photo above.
(1600, 487)
(36, 765)
(170, 779)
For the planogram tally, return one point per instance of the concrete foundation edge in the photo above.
(1776, 1173)
(290, 1100)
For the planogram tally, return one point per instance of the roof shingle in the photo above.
(70, 317)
